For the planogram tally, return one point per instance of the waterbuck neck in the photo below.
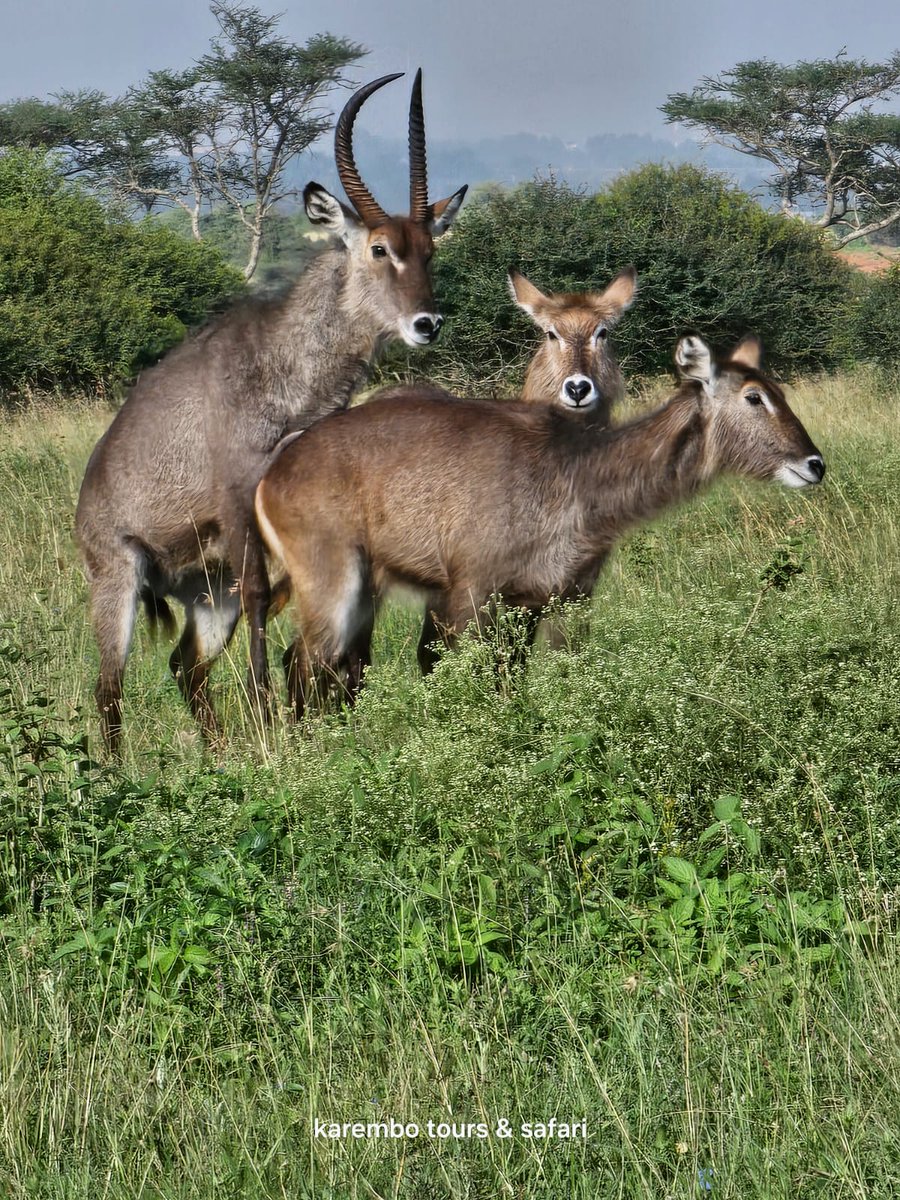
(320, 312)
(639, 469)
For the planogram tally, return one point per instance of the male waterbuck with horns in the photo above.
(471, 499)
(166, 507)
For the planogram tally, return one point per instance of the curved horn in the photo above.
(419, 208)
(358, 194)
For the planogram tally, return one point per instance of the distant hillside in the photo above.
(514, 159)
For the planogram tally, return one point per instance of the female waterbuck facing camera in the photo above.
(574, 366)
(471, 499)
(166, 507)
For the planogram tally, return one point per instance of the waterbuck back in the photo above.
(166, 507)
(467, 500)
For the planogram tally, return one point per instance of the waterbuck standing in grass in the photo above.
(468, 500)
(573, 368)
(166, 507)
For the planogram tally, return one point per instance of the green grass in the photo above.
(651, 883)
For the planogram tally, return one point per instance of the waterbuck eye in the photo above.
(601, 332)
(379, 251)
(551, 336)
(753, 398)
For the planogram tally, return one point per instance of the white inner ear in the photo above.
(527, 308)
(694, 360)
(323, 209)
(441, 224)
(523, 304)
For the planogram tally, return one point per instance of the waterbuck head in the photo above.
(389, 256)
(752, 430)
(574, 366)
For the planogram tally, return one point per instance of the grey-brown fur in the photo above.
(576, 349)
(574, 352)
(166, 506)
(466, 500)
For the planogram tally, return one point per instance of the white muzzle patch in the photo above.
(799, 474)
(421, 329)
(578, 393)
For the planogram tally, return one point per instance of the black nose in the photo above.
(429, 327)
(816, 464)
(577, 389)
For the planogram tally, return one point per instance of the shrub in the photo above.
(874, 327)
(86, 296)
(709, 258)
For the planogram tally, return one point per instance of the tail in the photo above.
(281, 593)
(158, 613)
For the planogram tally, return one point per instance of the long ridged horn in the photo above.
(370, 211)
(419, 208)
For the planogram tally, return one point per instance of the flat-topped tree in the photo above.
(816, 124)
(219, 132)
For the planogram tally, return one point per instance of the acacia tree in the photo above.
(816, 124)
(72, 122)
(158, 149)
(220, 132)
(265, 98)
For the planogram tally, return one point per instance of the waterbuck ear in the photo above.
(524, 293)
(323, 209)
(693, 359)
(748, 352)
(445, 210)
(619, 295)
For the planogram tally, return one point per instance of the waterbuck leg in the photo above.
(293, 677)
(445, 618)
(558, 637)
(532, 619)
(114, 599)
(359, 655)
(335, 621)
(426, 652)
(522, 625)
(211, 620)
(308, 677)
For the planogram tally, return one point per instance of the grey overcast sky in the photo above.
(570, 68)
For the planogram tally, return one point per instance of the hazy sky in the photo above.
(570, 68)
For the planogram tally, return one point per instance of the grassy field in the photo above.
(650, 884)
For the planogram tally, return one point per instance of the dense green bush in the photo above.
(709, 258)
(86, 296)
(874, 327)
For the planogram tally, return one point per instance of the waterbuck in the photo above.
(166, 506)
(467, 500)
(574, 366)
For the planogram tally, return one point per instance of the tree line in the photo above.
(218, 133)
(208, 145)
